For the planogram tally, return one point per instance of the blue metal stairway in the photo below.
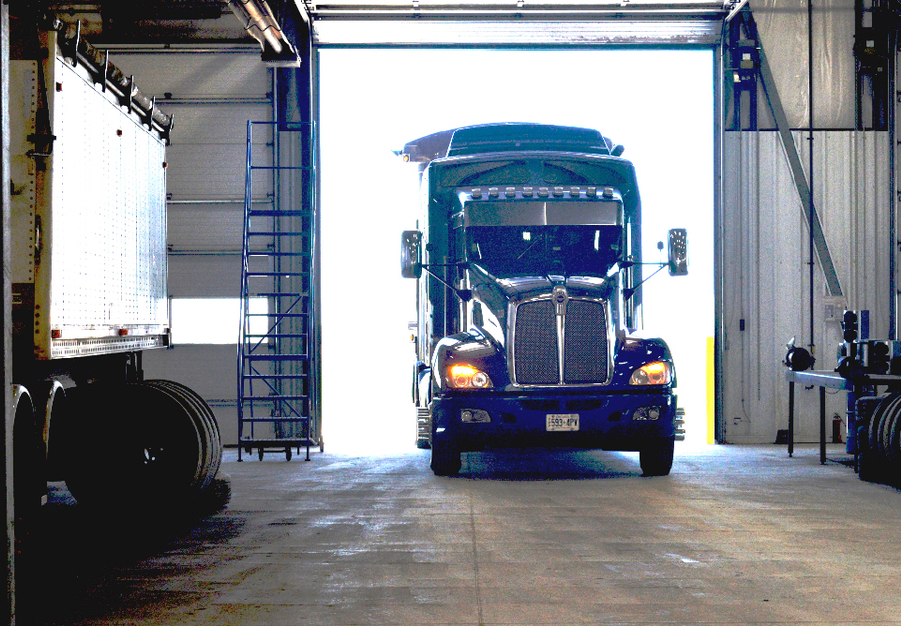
(277, 377)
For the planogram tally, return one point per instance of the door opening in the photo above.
(658, 103)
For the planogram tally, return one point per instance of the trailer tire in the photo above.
(656, 458)
(137, 446)
(889, 417)
(211, 440)
(879, 424)
(875, 459)
(445, 457)
(893, 443)
(29, 482)
(865, 469)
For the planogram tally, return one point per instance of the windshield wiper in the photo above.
(532, 245)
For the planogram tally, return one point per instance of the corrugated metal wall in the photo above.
(213, 95)
(765, 271)
(784, 34)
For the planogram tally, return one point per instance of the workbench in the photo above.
(826, 379)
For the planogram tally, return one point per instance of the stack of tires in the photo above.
(880, 439)
(142, 445)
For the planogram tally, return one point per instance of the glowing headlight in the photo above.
(656, 373)
(467, 377)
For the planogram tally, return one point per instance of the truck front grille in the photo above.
(536, 341)
(585, 343)
(535, 344)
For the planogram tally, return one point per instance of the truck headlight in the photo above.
(467, 377)
(656, 373)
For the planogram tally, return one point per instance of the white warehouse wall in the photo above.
(782, 26)
(764, 235)
(766, 280)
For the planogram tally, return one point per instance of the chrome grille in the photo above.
(585, 343)
(535, 344)
(536, 339)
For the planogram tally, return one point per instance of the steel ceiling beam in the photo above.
(547, 12)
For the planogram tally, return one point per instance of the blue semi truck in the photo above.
(527, 254)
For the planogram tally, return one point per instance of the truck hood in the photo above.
(495, 292)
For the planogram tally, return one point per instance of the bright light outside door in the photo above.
(658, 104)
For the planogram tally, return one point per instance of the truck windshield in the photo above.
(508, 251)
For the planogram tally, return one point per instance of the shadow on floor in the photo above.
(76, 551)
(543, 464)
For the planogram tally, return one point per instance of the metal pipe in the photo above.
(205, 253)
(893, 186)
(718, 239)
(214, 100)
(259, 22)
(810, 205)
(219, 201)
(189, 48)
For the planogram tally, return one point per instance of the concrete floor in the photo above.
(736, 535)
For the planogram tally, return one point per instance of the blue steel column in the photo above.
(719, 120)
(295, 103)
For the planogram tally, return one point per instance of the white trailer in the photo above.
(89, 215)
(89, 271)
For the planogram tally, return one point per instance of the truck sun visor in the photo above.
(503, 213)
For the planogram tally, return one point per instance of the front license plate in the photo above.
(562, 422)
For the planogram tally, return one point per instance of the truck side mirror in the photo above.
(678, 252)
(411, 254)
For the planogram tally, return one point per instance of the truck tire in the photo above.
(656, 457)
(445, 457)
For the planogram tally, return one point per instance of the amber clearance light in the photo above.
(656, 373)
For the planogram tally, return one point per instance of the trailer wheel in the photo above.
(656, 458)
(874, 433)
(202, 415)
(892, 442)
(877, 457)
(139, 445)
(445, 457)
(29, 483)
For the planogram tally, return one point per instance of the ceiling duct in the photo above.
(261, 23)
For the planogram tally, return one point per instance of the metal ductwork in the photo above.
(261, 23)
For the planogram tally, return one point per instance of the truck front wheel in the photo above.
(445, 457)
(656, 457)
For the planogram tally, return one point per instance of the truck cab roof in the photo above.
(508, 137)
